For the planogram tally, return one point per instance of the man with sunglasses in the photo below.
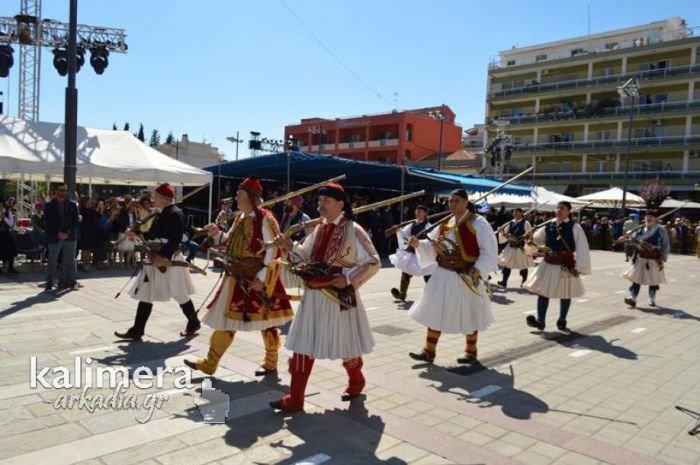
(62, 223)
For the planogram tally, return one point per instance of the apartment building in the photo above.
(567, 120)
(399, 137)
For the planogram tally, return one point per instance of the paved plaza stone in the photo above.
(604, 394)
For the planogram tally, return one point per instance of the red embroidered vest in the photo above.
(466, 238)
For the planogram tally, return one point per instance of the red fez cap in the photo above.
(252, 186)
(333, 190)
(166, 190)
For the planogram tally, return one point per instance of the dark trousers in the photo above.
(636, 287)
(543, 303)
(506, 274)
(144, 309)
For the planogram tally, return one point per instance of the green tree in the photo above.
(114, 126)
(126, 126)
(170, 138)
(154, 140)
(654, 193)
(141, 136)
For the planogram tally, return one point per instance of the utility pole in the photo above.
(70, 168)
(629, 89)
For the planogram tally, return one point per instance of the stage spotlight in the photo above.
(80, 59)
(60, 61)
(99, 59)
(6, 60)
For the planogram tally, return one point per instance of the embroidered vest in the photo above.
(246, 238)
(566, 230)
(465, 237)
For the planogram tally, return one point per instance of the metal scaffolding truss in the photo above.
(51, 33)
(32, 33)
(30, 65)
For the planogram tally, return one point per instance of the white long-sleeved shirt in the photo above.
(503, 231)
(361, 267)
(486, 263)
(582, 254)
(9, 219)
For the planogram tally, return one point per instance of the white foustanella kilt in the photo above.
(406, 262)
(515, 258)
(216, 317)
(553, 282)
(449, 306)
(290, 280)
(126, 245)
(321, 330)
(645, 271)
(175, 283)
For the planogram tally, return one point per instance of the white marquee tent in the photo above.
(540, 199)
(612, 198)
(33, 151)
(673, 203)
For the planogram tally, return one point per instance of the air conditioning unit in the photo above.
(545, 72)
(538, 159)
(658, 122)
(609, 157)
(694, 154)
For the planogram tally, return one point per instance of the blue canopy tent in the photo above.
(307, 168)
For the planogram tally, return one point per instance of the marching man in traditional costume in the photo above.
(405, 257)
(566, 258)
(167, 276)
(251, 296)
(651, 249)
(455, 300)
(293, 215)
(514, 255)
(331, 322)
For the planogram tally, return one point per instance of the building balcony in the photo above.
(610, 112)
(637, 144)
(615, 176)
(383, 143)
(677, 72)
(351, 145)
(320, 148)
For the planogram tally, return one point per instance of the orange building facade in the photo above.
(398, 137)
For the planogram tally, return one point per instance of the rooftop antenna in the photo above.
(589, 20)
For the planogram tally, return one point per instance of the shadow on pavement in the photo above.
(672, 312)
(149, 354)
(346, 436)
(513, 402)
(595, 342)
(40, 298)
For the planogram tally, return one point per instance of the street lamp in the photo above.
(441, 116)
(629, 89)
(236, 141)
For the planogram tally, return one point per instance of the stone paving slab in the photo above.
(603, 395)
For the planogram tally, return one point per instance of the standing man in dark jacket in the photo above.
(62, 224)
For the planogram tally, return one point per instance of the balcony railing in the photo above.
(653, 108)
(640, 142)
(358, 144)
(618, 79)
(383, 142)
(607, 175)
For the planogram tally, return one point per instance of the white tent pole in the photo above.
(211, 183)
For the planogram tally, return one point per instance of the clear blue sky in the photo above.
(210, 68)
